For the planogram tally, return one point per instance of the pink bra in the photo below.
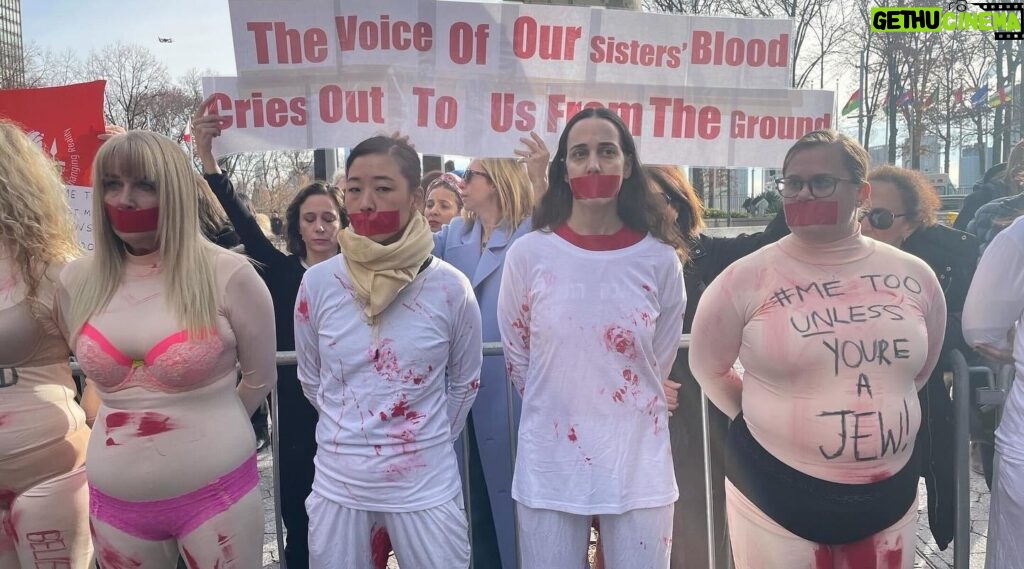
(173, 365)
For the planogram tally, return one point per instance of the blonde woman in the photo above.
(498, 199)
(158, 318)
(43, 434)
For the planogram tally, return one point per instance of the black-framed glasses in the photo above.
(879, 217)
(821, 186)
(470, 174)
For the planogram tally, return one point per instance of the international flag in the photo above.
(186, 136)
(931, 98)
(979, 97)
(958, 96)
(853, 104)
(1002, 95)
(906, 98)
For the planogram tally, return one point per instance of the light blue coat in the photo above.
(483, 266)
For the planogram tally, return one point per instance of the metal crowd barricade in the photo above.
(993, 395)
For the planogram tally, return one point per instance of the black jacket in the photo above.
(709, 256)
(953, 256)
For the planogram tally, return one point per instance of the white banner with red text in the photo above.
(330, 40)
(720, 127)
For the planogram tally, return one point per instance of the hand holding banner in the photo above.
(67, 122)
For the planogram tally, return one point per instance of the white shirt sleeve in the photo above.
(995, 301)
(514, 318)
(307, 346)
(465, 356)
(935, 322)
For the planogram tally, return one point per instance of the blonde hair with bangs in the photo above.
(515, 194)
(35, 221)
(186, 257)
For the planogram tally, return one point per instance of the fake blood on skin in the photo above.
(146, 424)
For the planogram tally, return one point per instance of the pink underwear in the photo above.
(175, 518)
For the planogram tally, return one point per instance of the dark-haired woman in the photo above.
(708, 257)
(313, 220)
(589, 355)
(389, 350)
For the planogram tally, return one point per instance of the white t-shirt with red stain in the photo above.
(388, 415)
(835, 341)
(589, 336)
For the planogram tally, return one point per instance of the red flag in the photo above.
(186, 136)
(66, 121)
(958, 96)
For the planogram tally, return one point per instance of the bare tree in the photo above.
(47, 68)
(134, 78)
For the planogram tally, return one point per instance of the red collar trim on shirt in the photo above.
(621, 239)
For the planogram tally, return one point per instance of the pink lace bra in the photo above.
(173, 365)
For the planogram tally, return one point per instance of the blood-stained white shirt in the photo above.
(835, 341)
(388, 416)
(589, 336)
(994, 307)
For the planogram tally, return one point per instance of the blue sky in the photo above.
(201, 29)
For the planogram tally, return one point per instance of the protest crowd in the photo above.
(565, 239)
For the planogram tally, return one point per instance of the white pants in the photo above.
(637, 539)
(359, 539)
(1005, 548)
(759, 542)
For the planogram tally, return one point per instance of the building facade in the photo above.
(12, 58)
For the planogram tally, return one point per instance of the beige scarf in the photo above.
(379, 272)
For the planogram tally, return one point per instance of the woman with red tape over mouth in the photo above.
(44, 500)
(591, 310)
(389, 349)
(159, 318)
(836, 333)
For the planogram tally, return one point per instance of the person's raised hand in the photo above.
(110, 131)
(536, 157)
(206, 125)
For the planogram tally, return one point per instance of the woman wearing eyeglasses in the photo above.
(498, 196)
(836, 338)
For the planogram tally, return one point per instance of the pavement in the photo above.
(928, 554)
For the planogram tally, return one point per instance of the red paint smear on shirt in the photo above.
(117, 419)
(572, 434)
(151, 424)
(413, 416)
(646, 287)
(621, 340)
(303, 309)
(383, 416)
(400, 409)
(111, 443)
(377, 449)
(475, 384)
(380, 547)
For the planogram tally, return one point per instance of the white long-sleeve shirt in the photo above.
(994, 306)
(388, 417)
(589, 336)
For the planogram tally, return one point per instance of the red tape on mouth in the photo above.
(133, 220)
(812, 212)
(595, 186)
(374, 223)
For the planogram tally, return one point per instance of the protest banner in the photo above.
(472, 78)
(66, 122)
(722, 127)
(288, 40)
